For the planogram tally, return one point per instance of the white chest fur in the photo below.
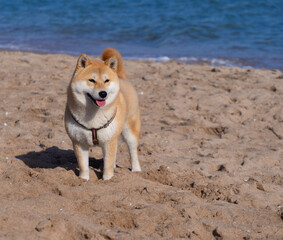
(84, 136)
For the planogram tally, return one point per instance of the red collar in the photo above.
(94, 130)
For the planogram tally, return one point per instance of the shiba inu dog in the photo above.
(100, 107)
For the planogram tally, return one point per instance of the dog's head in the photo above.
(95, 82)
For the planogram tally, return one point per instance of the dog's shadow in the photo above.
(54, 157)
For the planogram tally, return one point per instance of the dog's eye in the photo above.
(91, 80)
(107, 80)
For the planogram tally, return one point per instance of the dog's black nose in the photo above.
(103, 94)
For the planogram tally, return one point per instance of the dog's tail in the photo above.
(113, 53)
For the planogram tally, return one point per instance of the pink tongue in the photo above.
(100, 103)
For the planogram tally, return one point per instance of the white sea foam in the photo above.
(194, 60)
(189, 60)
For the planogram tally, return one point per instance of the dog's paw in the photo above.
(84, 175)
(107, 176)
(136, 169)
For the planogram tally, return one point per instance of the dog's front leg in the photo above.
(82, 154)
(109, 156)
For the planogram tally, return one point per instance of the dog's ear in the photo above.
(113, 59)
(83, 62)
(112, 63)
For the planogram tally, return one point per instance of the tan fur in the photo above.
(91, 77)
(108, 53)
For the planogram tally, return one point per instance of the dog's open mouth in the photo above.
(99, 103)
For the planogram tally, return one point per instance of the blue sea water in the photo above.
(219, 32)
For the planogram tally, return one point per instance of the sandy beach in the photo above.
(211, 151)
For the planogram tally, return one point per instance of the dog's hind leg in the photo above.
(131, 132)
(82, 154)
